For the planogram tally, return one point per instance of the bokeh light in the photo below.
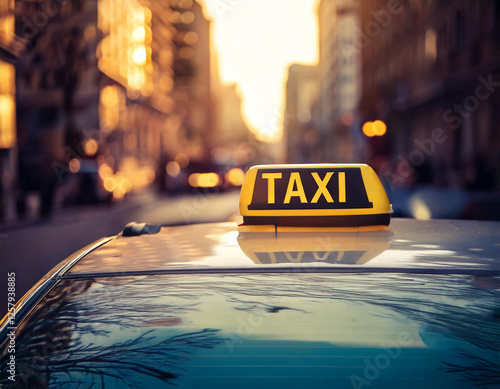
(110, 184)
(379, 127)
(139, 55)
(191, 38)
(375, 128)
(139, 34)
(105, 171)
(203, 180)
(90, 147)
(74, 165)
(368, 129)
(187, 17)
(173, 169)
(235, 177)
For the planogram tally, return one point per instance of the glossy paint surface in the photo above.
(408, 244)
(266, 330)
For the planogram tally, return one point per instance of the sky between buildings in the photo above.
(256, 41)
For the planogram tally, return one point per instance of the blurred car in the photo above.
(195, 176)
(414, 305)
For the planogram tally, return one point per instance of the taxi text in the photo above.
(295, 187)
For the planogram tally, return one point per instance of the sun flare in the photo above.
(256, 41)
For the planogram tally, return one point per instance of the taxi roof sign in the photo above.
(320, 195)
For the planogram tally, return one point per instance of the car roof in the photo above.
(435, 246)
(206, 306)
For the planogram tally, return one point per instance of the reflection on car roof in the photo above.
(434, 245)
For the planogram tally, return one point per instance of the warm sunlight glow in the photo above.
(256, 42)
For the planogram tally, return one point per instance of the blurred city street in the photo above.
(31, 249)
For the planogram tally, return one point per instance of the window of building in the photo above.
(7, 106)
(431, 45)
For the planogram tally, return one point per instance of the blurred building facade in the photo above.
(340, 78)
(230, 126)
(89, 104)
(431, 71)
(103, 88)
(301, 119)
(332, 90)
(57, 95)
(10, 46)
(236, 146)
(192, 80)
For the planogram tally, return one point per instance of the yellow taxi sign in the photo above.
(322, 195)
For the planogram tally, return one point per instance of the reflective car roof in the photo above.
(408, 245)
(206, 307)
